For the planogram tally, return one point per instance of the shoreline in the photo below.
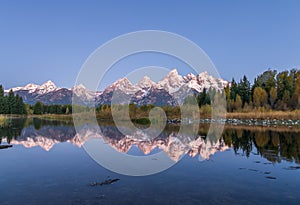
(267, 115)
(267, 118)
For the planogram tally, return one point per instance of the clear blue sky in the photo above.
(41, 40)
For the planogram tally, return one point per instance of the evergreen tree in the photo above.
(202, 97)
(38, 108)
(5, 107)
(233, 90)
(21, 108)
(11, 100)
(296, 96)
(244, 90)
(1, 100)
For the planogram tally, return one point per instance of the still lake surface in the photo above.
(247, 165)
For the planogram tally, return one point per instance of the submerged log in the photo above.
(106, 182)
(5, 146)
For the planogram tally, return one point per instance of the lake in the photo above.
(48, 164)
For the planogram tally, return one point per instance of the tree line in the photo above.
(270, 90)
(11, 103)
(39, 108)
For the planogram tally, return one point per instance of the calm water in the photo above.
(48, 165)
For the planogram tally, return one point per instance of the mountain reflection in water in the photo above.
(271, 144)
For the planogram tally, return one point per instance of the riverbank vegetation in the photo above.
(270, 91)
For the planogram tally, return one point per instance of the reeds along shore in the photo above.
(281, 115)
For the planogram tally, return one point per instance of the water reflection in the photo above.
(272, 145)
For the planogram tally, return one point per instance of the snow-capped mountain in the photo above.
(172, 82)
(49, 93)
(145, 83)
(81, 91)
(47, 87)
(169, 91)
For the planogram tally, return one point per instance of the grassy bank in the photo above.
(142, 117)
(281, 115)
(52, 116)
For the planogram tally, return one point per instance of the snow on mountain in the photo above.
(29, 87)
(47, 87)
(82, 92)
(207, 81)
(144, 86)
(13, 89)
(165, 92)
(123, 85)
(189, 77)
(172, 82)
(145, 83)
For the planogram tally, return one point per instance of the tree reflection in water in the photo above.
(274, 145)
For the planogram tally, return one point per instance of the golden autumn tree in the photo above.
(260, 97)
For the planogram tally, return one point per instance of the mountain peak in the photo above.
(78, 87)
(48, 86)
(145, 82)
(204, 74)
(173, 72)
(123, 85)
(48, 83)
(172, 82)
(122, 81)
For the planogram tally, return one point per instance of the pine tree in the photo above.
(11, 100)
(203, 98)
(1, 100)
(244, 90)
(20, 106)
(38, 108)
(295, 100)
(297, 90)
(233, 90)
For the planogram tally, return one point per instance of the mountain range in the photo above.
(169, 91)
